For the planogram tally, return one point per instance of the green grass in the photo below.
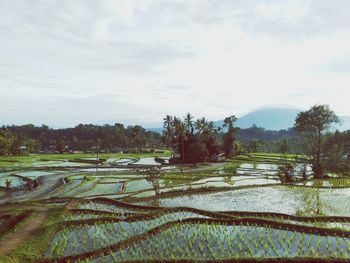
(35, 246)
(25, 161)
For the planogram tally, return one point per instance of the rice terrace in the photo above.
(191, 200)
(174, 131)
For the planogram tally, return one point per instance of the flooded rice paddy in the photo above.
(203, 212)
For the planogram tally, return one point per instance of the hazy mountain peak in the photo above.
(269, 118)
(276, 119)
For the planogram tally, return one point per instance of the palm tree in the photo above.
(168, 131)
(198, 125)
(210, 127)
(188, 119)
(201, 125)
(168, 122)
(229, 121)
(207, 127)
(209, 132)
(180, 132)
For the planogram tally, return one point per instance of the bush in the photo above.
(197, 152)
(285, 171)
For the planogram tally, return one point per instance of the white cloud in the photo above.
(84, 61)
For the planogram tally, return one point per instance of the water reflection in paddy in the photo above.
(147, 161)
(280, 199)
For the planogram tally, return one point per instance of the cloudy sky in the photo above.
(64, 62)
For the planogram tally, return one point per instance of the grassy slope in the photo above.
(34, 247)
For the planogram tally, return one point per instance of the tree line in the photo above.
(15, 140)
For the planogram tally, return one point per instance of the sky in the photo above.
(65, 62)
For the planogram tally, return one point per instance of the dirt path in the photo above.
(16, 238)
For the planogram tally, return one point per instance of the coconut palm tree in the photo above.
(180, 132)
(198, 125)
(168, 122)
(189, 123)
(208, 135)
(168, 132)
(209, 132)
(210, 127)
(201, 125)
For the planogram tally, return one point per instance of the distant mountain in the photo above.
(269, 118)
(277, 119)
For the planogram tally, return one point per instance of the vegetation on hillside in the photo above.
(80, 138)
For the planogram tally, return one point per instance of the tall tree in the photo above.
(229, 122)
(189, 123)
(201, 124)
(6, 141)
(168, 130)
(337, 150)
(312, 126)
(229, 136)
(208, 137)
(180, 132)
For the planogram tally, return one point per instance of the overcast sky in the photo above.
(65, 62)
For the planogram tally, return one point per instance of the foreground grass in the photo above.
(34, 247)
